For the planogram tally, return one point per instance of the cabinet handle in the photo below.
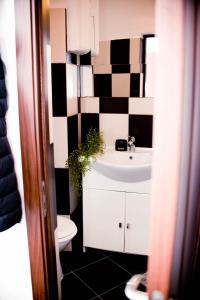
(128, 225)
(120, 224)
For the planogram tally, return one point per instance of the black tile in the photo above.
(73, 58)
(135, 85)
(72, 123)
(85, 59)
(59, 103)
(107, 253)
(88, 121)
(65, 268)
(114, 105)
(134, 264)
(72, 288)
(102, 85)
(79, 104)
(120, 68)
(144, 68)
(73, 260)
(76, 216)
(103, 275)
(116, 293)
(140, 126)
(120, 52)
(62, 190)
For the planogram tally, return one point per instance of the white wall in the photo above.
(121, 19)
(15, 278)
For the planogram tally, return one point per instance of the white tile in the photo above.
(120, 85)
(72, 89)
(104, 54)
(135, 55)
(90, 105)
(72, 107)
(102, 69)
(57, 35)
(141, 84)
(60, 141)
(87, 87)
(113, 126)
(141, 106)
(150, 75)
(49, 91)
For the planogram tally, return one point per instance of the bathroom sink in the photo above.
(125, 166)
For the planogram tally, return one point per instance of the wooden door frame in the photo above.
(32, 35)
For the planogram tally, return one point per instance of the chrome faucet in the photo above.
(131, 145)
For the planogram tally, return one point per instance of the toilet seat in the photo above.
(66, 228)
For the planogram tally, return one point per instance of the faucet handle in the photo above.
(131, 139)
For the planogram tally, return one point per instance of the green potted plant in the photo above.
(79, 160)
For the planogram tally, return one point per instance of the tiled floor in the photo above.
(98, 274)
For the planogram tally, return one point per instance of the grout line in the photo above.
(113, 288)
(114, 262)
(96, 297)
(85, 284)
(65, 275)
(108, 255)
(92, 263)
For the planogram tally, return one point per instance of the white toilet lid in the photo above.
(66, 227)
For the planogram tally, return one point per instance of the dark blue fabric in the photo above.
(1, 69)
(3, 107)
(10, 202)
(2, 89)
(4, 147)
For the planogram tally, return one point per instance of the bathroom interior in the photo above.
(102, 77)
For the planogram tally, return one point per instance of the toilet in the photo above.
(66, 230)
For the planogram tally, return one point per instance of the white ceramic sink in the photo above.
(125, 166)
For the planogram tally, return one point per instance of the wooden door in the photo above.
(32, 38)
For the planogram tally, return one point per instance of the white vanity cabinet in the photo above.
(103, 219)
(137, 218)
(116, 221)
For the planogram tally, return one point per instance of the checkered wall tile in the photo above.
(110, 99)
(66, 120)
(117, 71)
(117, 105)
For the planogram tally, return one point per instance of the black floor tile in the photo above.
(107, 253)
(72, 288)
(73, 260)
(65, 268)
(103, 275)
(134, 264)
(116, 293)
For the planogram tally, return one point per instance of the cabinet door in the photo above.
(137, 223)
(103, 219)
